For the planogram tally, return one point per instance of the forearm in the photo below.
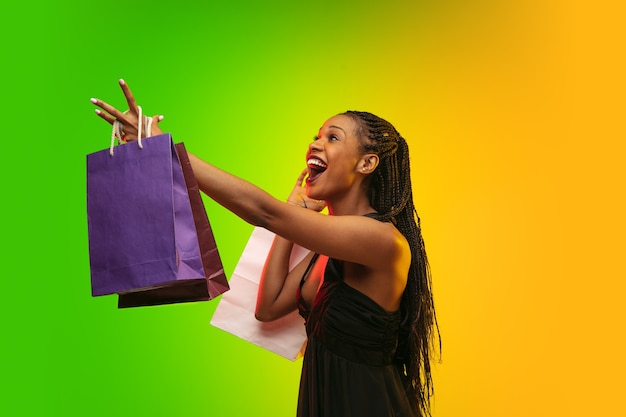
(237, 195)
(274, 281)
(277, 263)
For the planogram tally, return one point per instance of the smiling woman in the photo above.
(365, 289)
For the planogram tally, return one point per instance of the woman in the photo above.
(365, 289)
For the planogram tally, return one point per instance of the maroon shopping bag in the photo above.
(145, 242)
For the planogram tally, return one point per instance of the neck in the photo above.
(345, 206)
(351, 201)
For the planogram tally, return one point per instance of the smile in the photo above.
(316, 168)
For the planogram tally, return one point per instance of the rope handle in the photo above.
(117, 130)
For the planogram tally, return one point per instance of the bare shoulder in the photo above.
(384, 277)
(387, 240)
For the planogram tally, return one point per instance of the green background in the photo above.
(514, 113)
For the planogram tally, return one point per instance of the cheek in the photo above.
(345, 174)
(350, 165)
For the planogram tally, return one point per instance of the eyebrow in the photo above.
(337, 127)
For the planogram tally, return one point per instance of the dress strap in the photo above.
(308, 269)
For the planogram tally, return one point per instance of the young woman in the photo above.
(365, 289)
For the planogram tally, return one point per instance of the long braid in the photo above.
(391, 196)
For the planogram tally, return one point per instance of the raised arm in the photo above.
(351, 238)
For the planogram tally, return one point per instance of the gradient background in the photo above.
(514, 112)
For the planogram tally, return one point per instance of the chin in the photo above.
(313, 195)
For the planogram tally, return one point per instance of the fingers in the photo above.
(130, 99)
(113, 113)
(301, 177)
(157, 118)
(317, 205)
(156, 130)
(106, 116)
(128, 118)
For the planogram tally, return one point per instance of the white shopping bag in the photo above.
(235, 311)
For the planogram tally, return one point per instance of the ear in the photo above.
(368, 163)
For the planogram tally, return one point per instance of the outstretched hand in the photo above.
(129, 118)
(298, 195)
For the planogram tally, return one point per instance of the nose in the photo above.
(316, 145)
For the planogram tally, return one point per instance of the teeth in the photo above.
(315, 161)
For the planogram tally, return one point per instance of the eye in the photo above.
(331, 137)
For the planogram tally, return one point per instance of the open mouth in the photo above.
(316, 168)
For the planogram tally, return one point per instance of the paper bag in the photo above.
(142, 232)
(190, 290)
(235, 311)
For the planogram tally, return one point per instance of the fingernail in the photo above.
(98, 111)
(161, 117)
(93, 100)
(122, 82)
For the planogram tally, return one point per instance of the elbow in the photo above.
(263, 316)
(266, 214)
(266, 313)
(261, 313)
(261, 219)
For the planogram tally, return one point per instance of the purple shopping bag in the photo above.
(188, 290)
(143, 238)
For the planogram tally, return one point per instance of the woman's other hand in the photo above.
(129, 118)
(298, 195)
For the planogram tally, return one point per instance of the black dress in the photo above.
(348, 367)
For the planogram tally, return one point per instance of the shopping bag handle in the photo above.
(117, 130)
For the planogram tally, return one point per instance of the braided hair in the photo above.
(391, 195)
